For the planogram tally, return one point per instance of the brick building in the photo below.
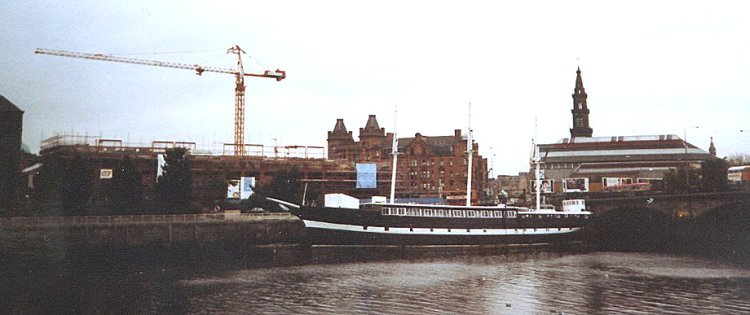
(427, 166)
(210, 170)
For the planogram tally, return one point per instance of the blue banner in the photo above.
(367, 175)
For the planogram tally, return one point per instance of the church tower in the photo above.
(580, 110)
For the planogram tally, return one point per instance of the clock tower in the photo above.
(580, 110)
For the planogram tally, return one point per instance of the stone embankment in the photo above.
(180, 231)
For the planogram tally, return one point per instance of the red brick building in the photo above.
(427, 166)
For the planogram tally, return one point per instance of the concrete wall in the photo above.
(149, 231)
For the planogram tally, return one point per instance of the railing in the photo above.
(97, 144)
(140, 219)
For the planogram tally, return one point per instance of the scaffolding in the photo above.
(114, 145)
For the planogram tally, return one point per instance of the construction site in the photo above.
(208, 165)
(216, 166)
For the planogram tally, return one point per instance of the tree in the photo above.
(681, 179)
(174, 186)
(737, 159)
(714, 173)
(126, 192)
(76, 187)
(211, 189)
(285, 185)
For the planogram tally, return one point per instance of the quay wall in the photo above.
(189, 231)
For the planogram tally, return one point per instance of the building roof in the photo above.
(621, 148)
(339, 131)
(440, 144)
(371, 128)
(372, 124)
(8, 106)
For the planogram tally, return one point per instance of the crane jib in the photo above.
(239, 117)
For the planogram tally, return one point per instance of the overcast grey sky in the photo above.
(650, 67)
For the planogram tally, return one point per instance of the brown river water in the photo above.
(372, 281)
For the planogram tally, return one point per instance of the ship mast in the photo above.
(470, 152)
(394, 152)
(537, 173)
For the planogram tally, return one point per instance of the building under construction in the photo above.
(431, 167)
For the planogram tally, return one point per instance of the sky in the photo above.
(649, 68)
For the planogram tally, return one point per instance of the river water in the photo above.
(375, 281)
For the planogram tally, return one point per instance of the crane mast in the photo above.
(239, 73)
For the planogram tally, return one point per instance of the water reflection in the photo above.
(388, 280)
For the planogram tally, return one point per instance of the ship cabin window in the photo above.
(511, 214)
(419, 212)
(457, 214)
(485, 214)
(401, 211)
(497, 214)
(385, 211)
(428, 212)
(471, 214)
(440, 213)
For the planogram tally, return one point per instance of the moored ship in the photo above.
(343, 220)
(383, 223)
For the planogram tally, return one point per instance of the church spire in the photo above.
(712, 148)
(580, 110)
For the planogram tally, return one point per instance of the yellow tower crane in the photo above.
(239, 73)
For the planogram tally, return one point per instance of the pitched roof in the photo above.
(8, 106)
(440, 144)
(621, 148)
(372, 124)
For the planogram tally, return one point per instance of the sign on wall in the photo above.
(233, 189)
(247, 186)
(240, 188)
(367, 175)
